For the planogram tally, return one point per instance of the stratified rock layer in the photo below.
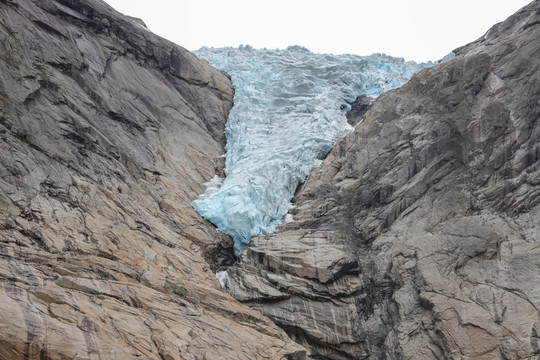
(419, 236)
(107, 134)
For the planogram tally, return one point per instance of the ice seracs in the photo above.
(289, 110)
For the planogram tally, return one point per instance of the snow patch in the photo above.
(288, 219)
(223, 277)
(212, 186)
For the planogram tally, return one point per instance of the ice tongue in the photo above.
(289, 110)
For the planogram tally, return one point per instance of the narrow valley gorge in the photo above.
(418, 237)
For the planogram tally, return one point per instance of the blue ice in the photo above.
(289, 110)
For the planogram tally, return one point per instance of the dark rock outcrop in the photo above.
(419, 236)
(358, 108)
(108, 133)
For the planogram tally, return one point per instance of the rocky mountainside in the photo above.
(419, 235)
(417, 238)
(108, 133)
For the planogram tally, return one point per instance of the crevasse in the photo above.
(289, 110)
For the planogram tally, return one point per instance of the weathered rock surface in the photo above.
(108, 133)
(419, 236)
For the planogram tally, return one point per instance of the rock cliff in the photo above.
(417, 238)
(419, 235)
(108, 133)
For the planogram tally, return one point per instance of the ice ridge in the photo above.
(289, 110)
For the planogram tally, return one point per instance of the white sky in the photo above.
(414, 29)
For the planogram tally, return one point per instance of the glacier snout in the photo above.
(289, 110)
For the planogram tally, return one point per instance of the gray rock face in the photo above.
(108, 133)
(419, 236)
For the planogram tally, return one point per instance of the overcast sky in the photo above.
(414, 29)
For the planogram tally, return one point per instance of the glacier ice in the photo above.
(289, 110)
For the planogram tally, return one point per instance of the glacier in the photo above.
(289, 110)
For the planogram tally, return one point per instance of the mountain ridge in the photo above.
(417, 235)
